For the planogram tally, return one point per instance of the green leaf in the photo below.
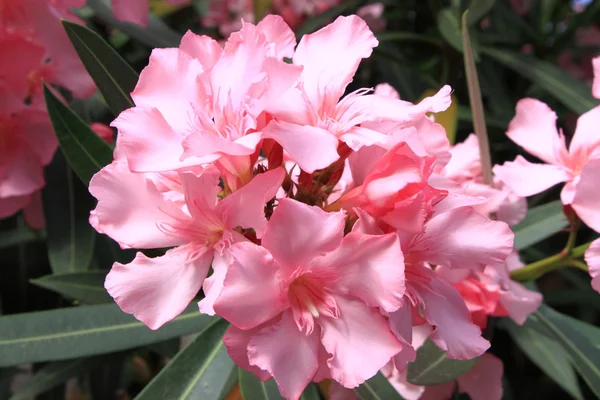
(432, 367)
(19, 236)
(199, 371)
(57, 373)
(156, 34)
(448, 23)
(318, 21)
(311, 392)
(580, 346)
(229, 384)
(377, 388)
(541, 222)
(253, 388)
(87, 287)
(112, 74)
(571, 92)
(548, 355)
(67, 206)
(84, 331)
(478, 9)
(84, 150)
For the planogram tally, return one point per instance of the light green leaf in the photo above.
(548, 355)
(84, 331)
(199, 371)
(478, 9)
(574, 94)
(432, 367)
(377, 388)
(67, 206)
(84, 150)
(541, 222)
(112, 74)
(156, 34)
(87, 287)
(57, 373)
(581, 348)
(253, 388)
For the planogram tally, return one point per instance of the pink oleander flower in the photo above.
(596, 83)
(228, 15)
(314, 110)
(305, 305)
(296, 12)
(373, 16)
(104, 131)
(136, 11)
(534, 129)
(466, 177)
(145, 210)
(205, 103)
(592, 258)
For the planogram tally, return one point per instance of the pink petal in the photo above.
(484, 380)
(201, 47)
(201, 191)
(401, 325)
(130, 208)
(463, 238)
(407, 390)
(519, 301)
(386, 90)
(585, 203)
(360, 330)
(236, 341)
(331, 56)
(375, 274)
(246, 206)
(156, 290)
(439, 392)
(21, 172)
(252, 292)
(366, 224)
(592, 258)
(299, 142)
(298, 233)
(170, 84)
(207, 147)
(464, 163)
(586, 139)
(279, 33)
(11, 205)
(286, 353)
(526, 179)
(134, 11)
(34, 212)
(596, 84)
(156, 153)
(444, 308)
(534, 129)
(214, 284)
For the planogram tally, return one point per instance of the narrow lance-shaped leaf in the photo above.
(84, 331)
(67, 206)
(253, 388)
(200, 371)
(476, 104)
(112, 74)
(377, 388)
(86, 153)
(572, 93)
(548, 355)
(541, 222)
(87, 287)
(478, 9)
(432, 367)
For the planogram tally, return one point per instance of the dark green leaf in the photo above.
(478, 9)
(432, 367)
(253, 389)
(67, 206)
(311, 392)
(19, 236)
(229, 384)
(377, 388)
(548, 355)
(574, 94)
(112, 74)
(87, 287)
(581, 346)
(199, 371)
(156, 34)
(448, 22)
(84, 150)
(318, 21)
(6, 378)
(84, 331)
(541, 222)
(57, 373)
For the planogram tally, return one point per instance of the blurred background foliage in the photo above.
(88, 349)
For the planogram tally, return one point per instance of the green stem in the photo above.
(563, 259)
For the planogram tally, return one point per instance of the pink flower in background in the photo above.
(296, 12)
(592, 258)
(136, 213)
(534, 129)
(227, 15)
(304, 306)
(596, 83)
(136, 11)
(104, 131)
(373, 16)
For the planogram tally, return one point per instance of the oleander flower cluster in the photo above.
(31, 30)
(325, 222)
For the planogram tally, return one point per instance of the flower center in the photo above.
(310, 299)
